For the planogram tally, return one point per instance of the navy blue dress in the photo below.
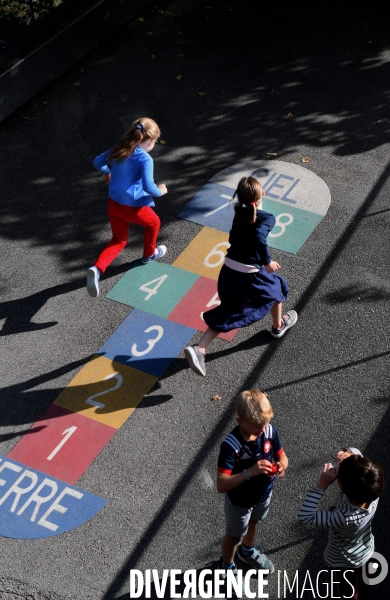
(247, 297)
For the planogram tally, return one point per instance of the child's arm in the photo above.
(282, 462)
(345, 452)
(227, 481)
(309, 512)
(147, 177)
(100, 163)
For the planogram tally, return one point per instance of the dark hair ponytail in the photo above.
(248, 192)
(142, 129)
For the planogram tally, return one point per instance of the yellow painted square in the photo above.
(116, 387)
(205, 254)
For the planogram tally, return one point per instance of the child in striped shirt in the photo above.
(351, 542)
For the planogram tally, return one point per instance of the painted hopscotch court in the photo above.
(38, 497)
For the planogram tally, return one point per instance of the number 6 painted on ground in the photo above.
(151, 342)
(218, 253)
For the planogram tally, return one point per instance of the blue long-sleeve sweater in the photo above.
(132, 182)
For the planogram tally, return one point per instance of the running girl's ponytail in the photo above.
(248, 192)
(142, 129)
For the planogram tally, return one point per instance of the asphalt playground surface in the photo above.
(296, 80)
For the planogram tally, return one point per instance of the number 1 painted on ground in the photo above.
(68, 432)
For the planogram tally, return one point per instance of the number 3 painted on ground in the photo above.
(151, 342)
(219, 253)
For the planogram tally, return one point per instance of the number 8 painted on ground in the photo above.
(282, 225)
(151, 342)
(218, 253)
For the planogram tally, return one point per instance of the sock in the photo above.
(246, 549)
(225, 566)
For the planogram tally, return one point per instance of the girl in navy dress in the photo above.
(248, 286)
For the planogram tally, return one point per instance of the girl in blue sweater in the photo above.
(248, 285)
(128, 169)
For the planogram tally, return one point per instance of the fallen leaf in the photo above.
(82, 70)
(45, 101)
(149, 33)
(289, 114)
(180, 33)
(141, 19)
(102, 94)
(271, 154)
(216, 398)
(29, 119)
(153, 56)
(181, 55)
(77, 83)
(163, 142)
(160, 11)
(208, 7)
(178, 76)
(272, 91)
(305, 159)
(201, 94)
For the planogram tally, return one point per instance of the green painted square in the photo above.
(293, 226)
(155, 288)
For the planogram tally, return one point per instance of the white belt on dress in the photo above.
(237, 266)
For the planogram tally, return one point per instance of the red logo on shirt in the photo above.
(267, 447)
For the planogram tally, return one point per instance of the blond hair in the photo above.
(142, 129)
(253, 405)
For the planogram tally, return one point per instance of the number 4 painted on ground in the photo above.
(151, 291)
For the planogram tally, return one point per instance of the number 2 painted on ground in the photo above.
(151, 342)
(93, 402)
(153, 290)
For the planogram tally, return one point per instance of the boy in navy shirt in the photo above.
(246, 474)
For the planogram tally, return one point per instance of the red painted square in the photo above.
(201, 297)
(84, 439)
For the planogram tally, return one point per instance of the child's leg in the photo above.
(249, 537)
(147, 218)
(276, 314)
(206, 339)
(120, 229)
(247, 551)
(229, 547)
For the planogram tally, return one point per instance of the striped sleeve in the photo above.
(311, 515)
(227, 455)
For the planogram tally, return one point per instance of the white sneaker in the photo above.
(196, 360)
(93, 276)
(159, 252)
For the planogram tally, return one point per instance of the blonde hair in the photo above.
(142, 129)
(248, 192)
(253, 405)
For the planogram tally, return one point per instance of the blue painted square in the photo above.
(146, 342)
(46, 507)
(210, 207)
(155, 288)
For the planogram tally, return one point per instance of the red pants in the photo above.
(120, 218)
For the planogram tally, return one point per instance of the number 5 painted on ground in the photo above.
(214, 301)
(151, 342)
(217, 252)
